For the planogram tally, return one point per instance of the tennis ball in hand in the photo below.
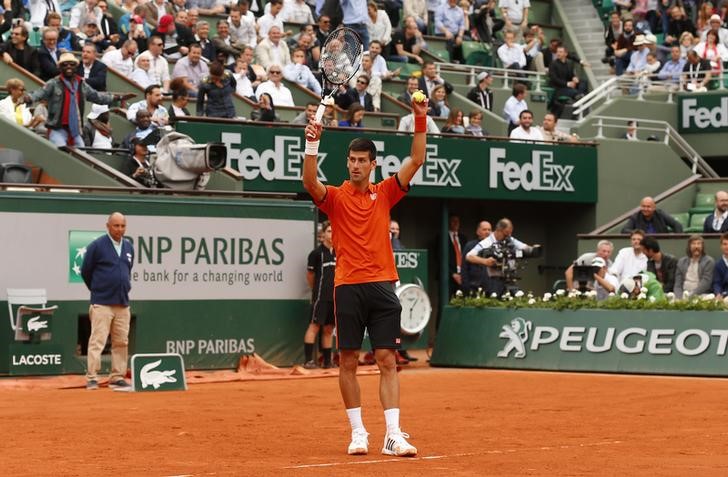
(418, 96)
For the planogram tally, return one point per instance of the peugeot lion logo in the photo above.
(517, 335)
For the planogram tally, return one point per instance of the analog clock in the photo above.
(416, 308)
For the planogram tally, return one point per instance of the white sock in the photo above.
(391, 416)
(355, 418)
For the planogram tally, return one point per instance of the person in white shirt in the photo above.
(298, 72)
(122, 59)
(375, 84)
(272, 50)
(142, 74)
(274, 18)
(39, 10)
(515, 14)
(278, 92)
(296, 11)
(524, 129)
(631, 260)
(152, 103)
(511, 53)
(604, 282)
(514, 105)
(378, 24)
(158, 66)
(379, 64)
(242, 27)
(13, 107)
(83, 13)
(243, 86)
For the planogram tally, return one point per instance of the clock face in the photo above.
(416, 309)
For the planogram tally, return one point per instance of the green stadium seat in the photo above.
(406, 69)
(696, 222)
(704, 200)
(683, 219)
(477, 53)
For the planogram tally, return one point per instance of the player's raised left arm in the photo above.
(419, 142)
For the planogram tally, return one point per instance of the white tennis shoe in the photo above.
(359, 442)
(395, 443)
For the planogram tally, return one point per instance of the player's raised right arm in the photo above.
(311, 183)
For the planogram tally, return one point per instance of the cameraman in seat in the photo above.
(604, 250)
(498, 252)
(604, 282)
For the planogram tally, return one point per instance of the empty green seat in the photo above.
(683, 218)
(696, 222)
(704, 200)
(477, 53)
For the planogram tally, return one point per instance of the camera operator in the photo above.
(497, 252)
(604, 282)
(604, 250)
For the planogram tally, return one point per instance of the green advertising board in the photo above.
(27, 359)
(624, 341)
(702, 113)
(158, 372)
(271, 160)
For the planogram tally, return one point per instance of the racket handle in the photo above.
(320, 112)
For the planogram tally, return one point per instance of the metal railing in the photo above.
(671, 138)
(470, 72)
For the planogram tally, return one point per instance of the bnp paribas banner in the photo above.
(177, 257)
(271, 160)
(702, 113)
(632, 341)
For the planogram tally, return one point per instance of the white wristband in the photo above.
(312, 148)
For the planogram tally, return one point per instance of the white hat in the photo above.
(482, 75)
(598, 262)
(650, 39)
(639, 40)
(97, 110)
(715, 18)
(627, 284)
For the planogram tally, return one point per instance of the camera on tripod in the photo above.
(507, 256)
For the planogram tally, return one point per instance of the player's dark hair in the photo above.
(363, 144)
(651, 244)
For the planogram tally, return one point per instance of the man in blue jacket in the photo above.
(106, 270)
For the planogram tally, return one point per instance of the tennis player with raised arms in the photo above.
(365, 271)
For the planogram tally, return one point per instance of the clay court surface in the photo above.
(465, 422)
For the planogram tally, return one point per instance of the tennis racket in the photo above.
(340, 60)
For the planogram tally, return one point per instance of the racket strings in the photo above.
(340, 56)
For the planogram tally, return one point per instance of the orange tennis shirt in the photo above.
(360, 231)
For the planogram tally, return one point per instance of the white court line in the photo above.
(466, 454)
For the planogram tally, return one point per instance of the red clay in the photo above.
(464, 422)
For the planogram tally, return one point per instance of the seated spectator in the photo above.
(48, 53)
(450, 23)
(307, 42)
(454, 123)
(90, 34)
(603, 251)
(242, 25)
(225, 43)
(481, 93)
(631, 134)
(138, 166)
(142, 74)
(662, 264)
(215, 96)
(97, 131)
(712, 50)
(716, 222)
(92, 70)
(180, 100)
(323, 27)
(699, 73)
(550, 132)
(202, 37)
(272, 50)
(378, 24)
(67, 40)
(512, 54)
(604, 282)
(243, 85)
(534, 42)
(17, 50)
(550, 52)
(638, 59)
(354, 117)
(266, 110)
(407, 124)
(307, 115)
(108, 26)
(430, 78)
(191, 69)
(652, 220)
(151, 103)
(83, 13)
(687, 43)
(375, 83)
(694, 272)
(13, 107)
(673, 68)
(270, 19)
(121, 59)
(438, 106)
(412, 86)
(525, 129)
(417, 9)
(678, 24)
(720, 273)
(475, 124)
(330, 119)
(514, 105)
(256, 73)
(406, 45)
(715, 24)
(297, 72)
(176, 37)
(133, 27)
(144, 126)
(297, 11)
(565, 81)
(630, 260)
(379, 64)
(356, 95)
(280, 94)
(623, 48)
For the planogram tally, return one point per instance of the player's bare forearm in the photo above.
(311, 183)
(419, 144)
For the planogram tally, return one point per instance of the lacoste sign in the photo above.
(703, 113)
(158, 372)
